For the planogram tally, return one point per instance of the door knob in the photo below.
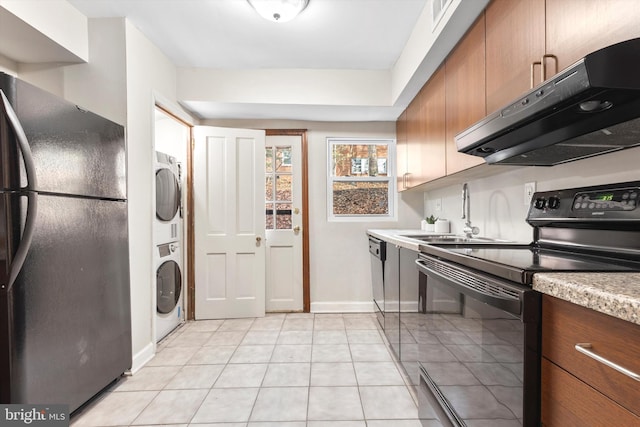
(296, 229)
(258, 240)
(296, 211)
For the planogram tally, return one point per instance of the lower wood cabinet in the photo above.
(578, 390)
(568, 402)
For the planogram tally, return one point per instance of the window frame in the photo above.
(390, 178)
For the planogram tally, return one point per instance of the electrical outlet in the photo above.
(529, 189)
(438, 204)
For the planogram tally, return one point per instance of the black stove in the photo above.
(589, 229)
(478, 332)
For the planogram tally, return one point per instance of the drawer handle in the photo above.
(584, 348)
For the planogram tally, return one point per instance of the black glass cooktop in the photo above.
(520, 262)
(527, 258)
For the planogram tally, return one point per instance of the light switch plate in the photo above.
(529, 189)
(438, 204)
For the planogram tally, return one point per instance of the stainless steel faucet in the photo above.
(468, 229)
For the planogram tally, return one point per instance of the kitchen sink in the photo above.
(453, 238)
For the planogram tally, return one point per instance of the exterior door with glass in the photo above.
(283, 203)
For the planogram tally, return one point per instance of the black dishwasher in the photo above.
(377, 249)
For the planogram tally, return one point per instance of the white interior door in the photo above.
(283, 196)
(228, 184)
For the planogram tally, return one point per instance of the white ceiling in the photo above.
(228, 34)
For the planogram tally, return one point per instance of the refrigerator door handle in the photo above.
(27, 237)
(23, 142)
(32, 202)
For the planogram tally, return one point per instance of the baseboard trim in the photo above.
(142, 357)
(409, 306)
(342, 307)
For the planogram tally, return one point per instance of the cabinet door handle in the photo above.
(585, 348)
(533, 67)
(405, 180)
(544, 65)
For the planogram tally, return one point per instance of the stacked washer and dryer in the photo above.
(168, 241)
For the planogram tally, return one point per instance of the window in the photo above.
(278, 187)
(361, 179)
(359, 166)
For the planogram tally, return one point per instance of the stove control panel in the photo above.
(604, 202)
(614, 200)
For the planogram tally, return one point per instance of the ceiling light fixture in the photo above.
(278, 10)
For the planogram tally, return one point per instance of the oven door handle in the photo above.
(476, 288)
(447, 416)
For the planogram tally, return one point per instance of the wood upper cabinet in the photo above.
(420, 135)
(401, 151)
(575, 28)
(515, 43)
(415, 138)
(511, 42)
(433, 113)
(524, 36)
(465, 93)
(408, 146)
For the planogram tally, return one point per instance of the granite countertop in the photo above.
(615, 294)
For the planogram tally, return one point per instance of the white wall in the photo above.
(149, 75)
(100, 85)
(429, 45)
(52, 25)
(8, 66)
(171, 137)
(339, 259)
(497, 202)
(286, 86)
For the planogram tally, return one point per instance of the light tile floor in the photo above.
(288, 370)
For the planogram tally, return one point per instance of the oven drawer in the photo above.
(565, 324)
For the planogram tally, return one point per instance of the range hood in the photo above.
(590, 108)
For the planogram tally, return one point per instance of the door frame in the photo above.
(189, 246)
(191, 283)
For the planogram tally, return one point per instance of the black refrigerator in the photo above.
(65, 311)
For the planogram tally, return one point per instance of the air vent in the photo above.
(471, 281)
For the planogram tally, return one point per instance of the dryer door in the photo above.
(167, 194)
(169, 286)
